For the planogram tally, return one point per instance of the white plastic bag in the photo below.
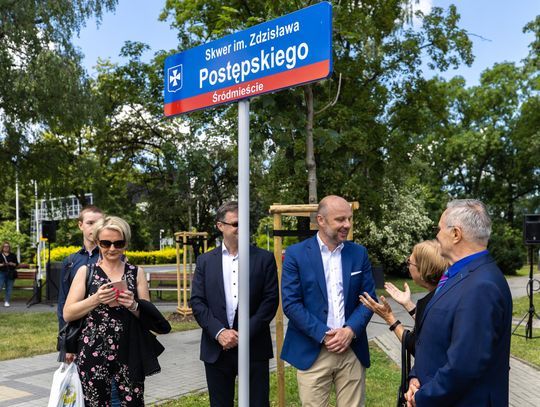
(66, 389)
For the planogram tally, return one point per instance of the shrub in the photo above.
(165, 256)
(507, 248)
(403, 223)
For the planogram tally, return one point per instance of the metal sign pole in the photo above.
(243, 253)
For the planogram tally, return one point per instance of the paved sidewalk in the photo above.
(26, 382)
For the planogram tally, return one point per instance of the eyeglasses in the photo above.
(436, 229)
(409, 263)
(233, 224)
(118, 244)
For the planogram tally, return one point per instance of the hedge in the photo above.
(165, 256)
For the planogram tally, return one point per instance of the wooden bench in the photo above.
(26, 275)
(166, 281)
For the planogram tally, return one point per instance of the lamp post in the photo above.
(161, 231)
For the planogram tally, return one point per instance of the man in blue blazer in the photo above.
(326, 336)
(214, 300)
(463, 349)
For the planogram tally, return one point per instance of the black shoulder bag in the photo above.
(405, 369)
(68, 336)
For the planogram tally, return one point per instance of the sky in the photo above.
(496, 24)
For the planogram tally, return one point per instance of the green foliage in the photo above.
(165, 256)
(8, 231)
(107, 135)
(507, 248)
(35, 51)
(404, 222)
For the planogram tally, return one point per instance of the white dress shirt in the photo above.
(333, 274)
(230, 283)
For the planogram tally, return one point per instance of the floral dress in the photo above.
(103, 336)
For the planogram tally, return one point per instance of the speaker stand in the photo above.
(529, 315)
(36, 296)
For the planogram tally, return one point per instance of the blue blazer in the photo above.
(463, 346)
(209, 306)
(305, 300)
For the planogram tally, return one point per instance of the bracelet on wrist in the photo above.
(394, 325)
(412, 312)
(134, 306)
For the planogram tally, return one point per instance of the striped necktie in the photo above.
(442, 281)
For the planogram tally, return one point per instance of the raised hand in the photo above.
(381, 308)
(401, 297)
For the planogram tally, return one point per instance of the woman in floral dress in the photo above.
(104, 341)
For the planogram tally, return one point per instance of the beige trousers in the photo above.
(344, 370)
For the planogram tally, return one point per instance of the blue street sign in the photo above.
(287, 51)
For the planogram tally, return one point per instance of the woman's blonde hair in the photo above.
(112, 223)
(431, 265)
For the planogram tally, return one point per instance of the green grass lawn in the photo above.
(526, 349)
(382, 381)
(27, 334)
(34, 333)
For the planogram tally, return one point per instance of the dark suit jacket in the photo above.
(463, 345)
(209, 307)
(410, 340)
(305, 302)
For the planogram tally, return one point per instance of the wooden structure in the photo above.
(278, 211)
(186, 239)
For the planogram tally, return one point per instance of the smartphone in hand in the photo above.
(119, 286)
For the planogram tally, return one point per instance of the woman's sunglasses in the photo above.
(119, 244)
(410, 263)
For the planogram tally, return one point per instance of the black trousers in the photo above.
(221, 376)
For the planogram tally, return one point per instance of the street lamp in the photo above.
(161, 231)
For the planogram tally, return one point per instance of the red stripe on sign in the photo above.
(244, 90)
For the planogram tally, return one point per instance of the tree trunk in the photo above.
(310, 150)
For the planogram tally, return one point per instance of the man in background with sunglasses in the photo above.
(214, 300)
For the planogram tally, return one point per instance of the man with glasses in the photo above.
(463, 345)
(214, 300)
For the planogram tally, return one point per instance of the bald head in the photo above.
(334, 216)
(331, 202)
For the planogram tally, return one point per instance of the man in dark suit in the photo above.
(322, 280)
(214, 300)
(463, 346)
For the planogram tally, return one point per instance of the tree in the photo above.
(378, 56)
(36, 50)
(486, 146)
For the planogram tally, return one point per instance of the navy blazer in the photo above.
(305, 300)
(463, 346)
(209, 305)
